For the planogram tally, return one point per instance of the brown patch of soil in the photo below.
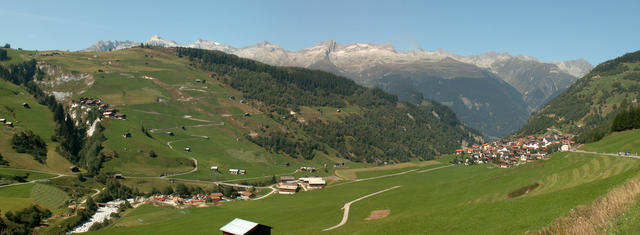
(378, 214)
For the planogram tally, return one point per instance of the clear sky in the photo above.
(549, 30)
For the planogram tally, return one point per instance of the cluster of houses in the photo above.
(107, 112)
(289, 184)
(199, 199)
(510, 152)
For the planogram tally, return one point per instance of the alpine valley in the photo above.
(491, 92)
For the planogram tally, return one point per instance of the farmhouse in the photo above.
(121, 116)
(237, 172)
(287, 188)
(241, 227)
(215, 196)
(9, 124)
(246, 195)
(107, 114)
(214, 168)
(309, 169)
(287, 179)
(3, 120)
(118, 176)
(187, 149)
(314, 182)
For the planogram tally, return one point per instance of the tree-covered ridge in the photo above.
(593, 101)
(383, 130)
(286, 86)
(394, 133)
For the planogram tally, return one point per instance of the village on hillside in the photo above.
(512, 152)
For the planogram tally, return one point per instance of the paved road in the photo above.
(345, 215)
(606, 154)
(195, 168)
(33, 181)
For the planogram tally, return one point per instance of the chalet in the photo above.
(247, 114)
(287, 188)
(107, 114)
(126, 135)
(187, 149)
(214, 168)
(246, 195)
(73, 169)
(243, 101)
(338, 110)
(286, 179)
(90, 102)
(565, 148)
(459, 151)
(9, 124)
(504, 165)
(198, 80)
(233, 171)
(242, 227)
(3, 120)
(26, 105)
(103, 106)
(118, 176)
(315, 183)
(215, 196)
(121, 116)
(242, 172)
(170, 133)
(285, 164)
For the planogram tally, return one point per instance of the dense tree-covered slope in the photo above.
(384, 129)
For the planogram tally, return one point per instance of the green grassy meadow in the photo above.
(626, 141)
(452, 200)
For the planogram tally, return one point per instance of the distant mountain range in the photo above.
(492, 92)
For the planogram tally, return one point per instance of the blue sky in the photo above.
(548, 30)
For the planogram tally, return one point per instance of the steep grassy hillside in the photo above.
(593, 101)
(237, 113)
(37, 118)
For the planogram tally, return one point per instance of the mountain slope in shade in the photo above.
(591, 102)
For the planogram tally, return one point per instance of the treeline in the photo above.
(616, 66)
(32, 144)
(394, 134)
(3, 55)
(281, 142)
(382, 131)
(74, 145)
(285, 86)
(627, 119)
(23, 221)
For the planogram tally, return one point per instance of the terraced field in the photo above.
(48, 196)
